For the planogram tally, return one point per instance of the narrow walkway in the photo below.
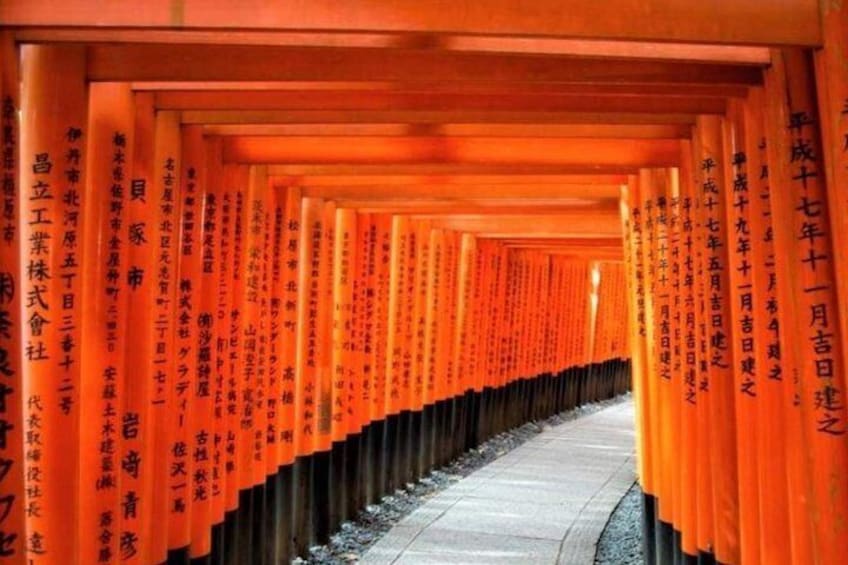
(547, 501)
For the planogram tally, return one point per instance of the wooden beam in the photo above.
(788, 22)
(525, 116)
(559, 240)
(547, 183)
(591, 224)
(456, 87)
(450, 207)
(620, 49)
(597, 253)
(549, 243)
(381, 150)
(498, 44)
(330, 131)
(297, 172)
(422, 192)
(519, 232)
(163, 62)
(517, 237)
(373, 100)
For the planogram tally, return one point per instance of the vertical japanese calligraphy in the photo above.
(51, 185)
(806, 291)
(12, 492)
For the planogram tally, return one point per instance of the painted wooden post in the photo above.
(13, 534)
(711, 163)
(54, 136)
(105, 252)
(738, 196)
(807, 295)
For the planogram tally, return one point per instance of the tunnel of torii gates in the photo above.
(263, 264)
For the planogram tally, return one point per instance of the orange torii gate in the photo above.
(259, 267)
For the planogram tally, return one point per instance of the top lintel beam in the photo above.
(785, 22)
(186, 62)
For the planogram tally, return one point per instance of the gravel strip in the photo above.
(354, 538)
(621, 540)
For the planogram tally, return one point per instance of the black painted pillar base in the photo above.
(364, 469)
(178, 556)
(415, 444)
(404, 454)
(450, 430)
(337, 486)
(664, 541)
(706, 558)
(425, 454)
(245, 524)
(302, 509)
(472, 406)
(458, 429)
(353, 484)
(230, 538)
(438, 433)
(648, 529)
(273, 517)
(483, 420)
(285, 487)
(689, 559)
(216, 557)
(661, 543)
(374, 461)
(321, 496)
(681, 556)
(259, 516)
(390, 463)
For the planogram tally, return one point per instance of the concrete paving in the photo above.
(546, 501)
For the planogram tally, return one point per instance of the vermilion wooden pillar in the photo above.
(275, 489)
(689, 354)
(657, 183)
(806, 278)
(13, 535)
(774, 413)
(289, 265)
(738, 195)
(632, 221)
(659, 450)
(711, 164)
(307, 324)
(831, 80)
(705, 536)
(637, 241)
(188, 293)
(397, 345)
(344, 272)
(138, 410)
(164, 195)
(54, 135)
(675, 323)
(224, 479)
(105, 295)
(203, 417)
(421, 418)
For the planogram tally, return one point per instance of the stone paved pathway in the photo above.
(545, 502)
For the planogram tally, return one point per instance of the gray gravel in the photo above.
(354, 538)
(621, 541)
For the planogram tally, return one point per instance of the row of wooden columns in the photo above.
(738, 325)
(202, 363)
